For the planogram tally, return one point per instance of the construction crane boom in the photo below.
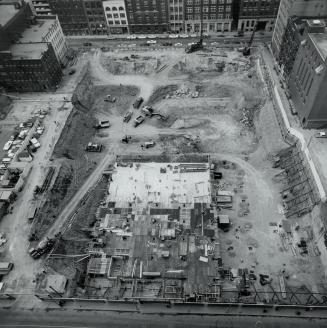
(247, 49)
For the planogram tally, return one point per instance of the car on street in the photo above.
(151, 36)
(178, 44)
(214, 43)
(193, 35)
(72, 71)
(151, 41)
(183, 35)
(87, 44)
(141, 36)
(167, 44)
(131, 37)
(173, 36)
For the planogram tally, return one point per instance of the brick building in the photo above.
(116, 16)
(147, 16)
(72, 16)
(216, 15)
(291, 8)
(262, 12)
(29, 67)
(308, 80)
(96, 18)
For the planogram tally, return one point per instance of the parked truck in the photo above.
(103, 124)
(43, 247)
(92, 147)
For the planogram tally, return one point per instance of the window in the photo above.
(212, 8)
(189, 2)
(220, 9)
(189, 9)
(123, 22)
(116, 16)
(122, 15)
(117, 22)
(212, 16)
(227, 8)
(205, 2)
(213, 2)
(197, 9)
(189, 17)
(220, 16)
(114, 8)
(205, 9)
(107, 9)
(121, 8)
(205, 16)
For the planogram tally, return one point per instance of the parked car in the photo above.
(72, 71)
(321, 134)
(87, 44)
(35, 143)
(148, 144)
(183, 35)
(173, 36)
(103, 124)
(137, 103)
(7, 145)
(178, 44)
(140, 119)
(131, 37)
(151, 41)
(167, 43)
(141, 36)
(109, 98)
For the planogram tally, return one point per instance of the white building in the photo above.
(116, 16)
(288, 8)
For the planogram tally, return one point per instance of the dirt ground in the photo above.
(214, 104)
(229, 118)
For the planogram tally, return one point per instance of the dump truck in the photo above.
(137, 103)
(140, 119)
(92, 147)
(103, 124)
(127, 116)
(43, 247)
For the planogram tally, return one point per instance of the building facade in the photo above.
(116, 16)
(96, 18)
(176, 16)
(308, 80)
(216, 17)
(259, 13)
(291, 40)
(72, 16)
(147, 16)
(41, 7)
(55, 36)
(29, 67)
(289, 8)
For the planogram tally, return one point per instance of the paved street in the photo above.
(92, 319)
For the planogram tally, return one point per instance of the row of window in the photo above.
(117, 22)
(205, 17)
(114, 8)
(206, 2)
(206, 9)
(122, 15)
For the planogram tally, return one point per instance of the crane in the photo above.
(199, 44)
(247, 49)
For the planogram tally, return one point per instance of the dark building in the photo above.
(15, 16)
(29, 67)
(308, 80)
(290, 44)
(71, 15)
(216, 15)
(95, 16)
(262, 12)
(147, 16)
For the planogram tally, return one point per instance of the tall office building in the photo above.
(289, 8)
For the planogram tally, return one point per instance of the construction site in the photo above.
(165, 175)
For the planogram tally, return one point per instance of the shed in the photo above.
(6, 196)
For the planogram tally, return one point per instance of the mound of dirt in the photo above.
(5, 103)
(161, 93)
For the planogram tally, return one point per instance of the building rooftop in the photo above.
(7, 12)
(36, 33)
(320, 40)
(28, 50)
